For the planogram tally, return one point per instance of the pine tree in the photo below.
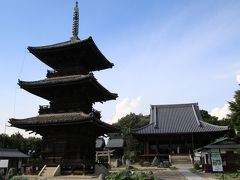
(235, 111)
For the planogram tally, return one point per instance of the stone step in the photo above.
(48, 171)
(181, 159)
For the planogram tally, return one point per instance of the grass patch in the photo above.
(129, 175)
(193, 170)
(228, 176)
(19, 178)
(173, 168)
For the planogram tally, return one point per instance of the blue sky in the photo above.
(175, 51)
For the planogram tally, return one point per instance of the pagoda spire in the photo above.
(75, 23)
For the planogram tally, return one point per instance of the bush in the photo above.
(18, 178)
(1, 178)
(131, 155)
(196, 166)
(128, 175)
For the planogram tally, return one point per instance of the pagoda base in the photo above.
(72, 147)
(69, 139)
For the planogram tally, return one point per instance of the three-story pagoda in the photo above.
(69, 125)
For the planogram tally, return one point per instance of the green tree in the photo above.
(213, 119)
(17, 141)
(126, 124)
(132, 121)
(208, 118)
(220, 122)
(234, 106)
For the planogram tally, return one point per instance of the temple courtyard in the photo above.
(182, 171)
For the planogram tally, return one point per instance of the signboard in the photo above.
(3, 163)
(216, 162)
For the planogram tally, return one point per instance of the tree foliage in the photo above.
(132, 121)
(126, 124)
(25, 145)
(213, 119)
(234, 106)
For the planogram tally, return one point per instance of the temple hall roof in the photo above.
(46, 88)
(72, 54)
(177, 119)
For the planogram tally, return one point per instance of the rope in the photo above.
(19, 76)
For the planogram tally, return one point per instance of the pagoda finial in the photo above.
(75, 22)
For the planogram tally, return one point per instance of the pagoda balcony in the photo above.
(53, 73)
(44, 109)
(97, 113)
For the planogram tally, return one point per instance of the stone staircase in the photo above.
(180, 159)
(48, 171)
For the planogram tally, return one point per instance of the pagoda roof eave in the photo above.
(55, 81)
(60, 119)
(46, 54)
(35, 87)
(35, 49)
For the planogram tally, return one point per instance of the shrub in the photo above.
(1, 178)
(19, 178)
(131, 155)
(128, 175)
(196, 166)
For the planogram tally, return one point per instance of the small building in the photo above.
(100, 144)
(229, 150)
(117, 145)
(11, 158)
(176, 129)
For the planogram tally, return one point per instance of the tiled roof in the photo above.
(11, 153)
(40, 87)
(223, 143)
(115, 143)
(60, 119)
(56, 80)
(57, 45)
(83, 52)
(53, 118)
(100, 143)
(177, 119)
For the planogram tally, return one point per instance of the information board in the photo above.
(216, 162)
(3, 163)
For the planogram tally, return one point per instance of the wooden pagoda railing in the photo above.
(53, 73)
(46, 109)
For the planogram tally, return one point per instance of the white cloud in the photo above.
(238, 78)
(127, 106)
(221, 112)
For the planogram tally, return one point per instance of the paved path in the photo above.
(168, 175)
(189, 175)
(184, 169)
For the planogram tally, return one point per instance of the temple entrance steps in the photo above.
(180, 158)
(50, 171)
